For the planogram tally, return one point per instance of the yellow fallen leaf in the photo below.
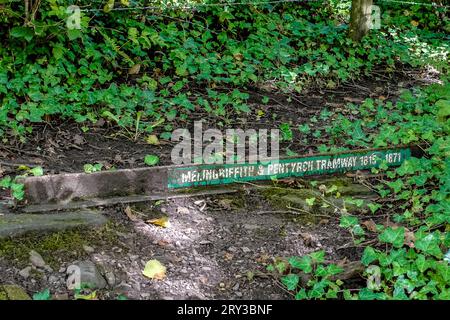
(135, 69)
(91, 296)
(162, 222)
(414, 23)
(152, 139)
(154, 270)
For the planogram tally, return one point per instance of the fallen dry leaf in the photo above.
(91, 296)
(370, 225)
(409, 238)
(228, 256)
(161, 222)
(130, 214)
(351, 99)
(307, 239)
(135, 69)
(263, 258)
(154, 270)
(162, 243)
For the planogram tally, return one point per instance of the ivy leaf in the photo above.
(304, 263)
(348, 221)
(369, 255)
(318, 256)
(396, 185)
(396, 236)
(151, 160)
(22, 32)
(333, 269)
(318, 289)
(281, 266)
(5, 182)
(301, 295)
(74, 34)
(290, 281)
(37, 171)
(366, 294)
(443, 270)
(430, 245)
(310, 201)
(444, 109)
(421, 263)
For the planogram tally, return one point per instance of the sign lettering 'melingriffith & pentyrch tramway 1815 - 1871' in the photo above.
(215, 174)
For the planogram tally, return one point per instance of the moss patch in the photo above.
(67, 244)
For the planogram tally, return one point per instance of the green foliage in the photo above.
(91, 168)
(17, 188)
(411, 263)
(319, 284)
(407, 259)
(286, 132)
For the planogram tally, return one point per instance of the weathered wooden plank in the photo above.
(65, 188)
(78, 190)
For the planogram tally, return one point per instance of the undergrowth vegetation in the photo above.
(153, 68)
(406, 254)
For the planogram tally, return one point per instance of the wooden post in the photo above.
(360, 19)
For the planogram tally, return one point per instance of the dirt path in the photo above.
(215, 247)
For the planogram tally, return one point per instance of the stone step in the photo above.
(13, 225)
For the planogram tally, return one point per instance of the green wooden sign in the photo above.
(202, 175)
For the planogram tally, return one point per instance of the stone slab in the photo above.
(13, 225)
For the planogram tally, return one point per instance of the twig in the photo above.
(278, 212)
(346, 246)
(307, 212)
(30, 153)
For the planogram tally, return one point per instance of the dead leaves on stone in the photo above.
(129, 212)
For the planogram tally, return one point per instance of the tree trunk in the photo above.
(360, 19)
